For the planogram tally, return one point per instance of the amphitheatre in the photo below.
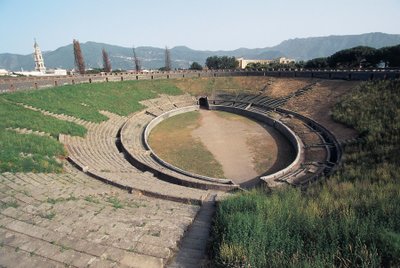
(125, 198)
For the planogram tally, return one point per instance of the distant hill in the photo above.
(152, 58)
(314, 47)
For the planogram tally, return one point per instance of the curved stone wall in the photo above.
(158, 120)
(284, 130)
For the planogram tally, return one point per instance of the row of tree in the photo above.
(80, 62)
(356, 57)
(359, 57)
(223, 62)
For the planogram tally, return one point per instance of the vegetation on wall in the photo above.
(350, 220)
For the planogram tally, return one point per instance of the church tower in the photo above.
(39, 63)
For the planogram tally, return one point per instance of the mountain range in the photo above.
(182, 57)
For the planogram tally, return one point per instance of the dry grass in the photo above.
(318, 103)
(271, 86)
(173, 142)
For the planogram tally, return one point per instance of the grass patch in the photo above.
(16, 116)
(351, 220)
(91, 199)
(86, 100)
(29, 153)
(9, 204)
(48, 216)
(182, 150)
(32, 153)
(116, 203)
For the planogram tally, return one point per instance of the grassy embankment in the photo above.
(173, 142)
(351, 220)
(33, 153)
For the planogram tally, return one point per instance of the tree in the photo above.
(167, 59)
(106, 62)
(136, 60)
(212, 62)
(224, 62)
(195, 66)
(79, 62)
(317, 63)
(390, 56)
(356, 57)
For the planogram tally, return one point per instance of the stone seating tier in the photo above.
(52, 220)
(140, 156)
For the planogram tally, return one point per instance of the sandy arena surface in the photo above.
(239, 145)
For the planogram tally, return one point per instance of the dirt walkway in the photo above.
(240, 145)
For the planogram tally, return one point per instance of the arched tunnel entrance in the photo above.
(203, 103)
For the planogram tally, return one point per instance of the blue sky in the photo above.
(200, 24)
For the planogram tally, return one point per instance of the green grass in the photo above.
(86, 100)
(49, 216)
(182, 150)
(351, 220)
(7, 204)
(29, 153)
(116, 203)
(91, 199)
(16, 116)
(32, 153)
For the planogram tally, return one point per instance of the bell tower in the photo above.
(39, 63)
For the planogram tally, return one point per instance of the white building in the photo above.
(4, 72)
(243, 62)
(282, 60)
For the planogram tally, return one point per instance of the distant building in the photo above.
(4, 72)
(282, 60)
(243, 62)
(39, 62)
(57, 72)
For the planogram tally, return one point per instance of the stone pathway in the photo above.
(192, 251)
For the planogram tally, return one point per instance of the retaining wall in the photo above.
(24, 83)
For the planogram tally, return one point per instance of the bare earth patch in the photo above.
(244, 148)
(281, 87)
(318, 102)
